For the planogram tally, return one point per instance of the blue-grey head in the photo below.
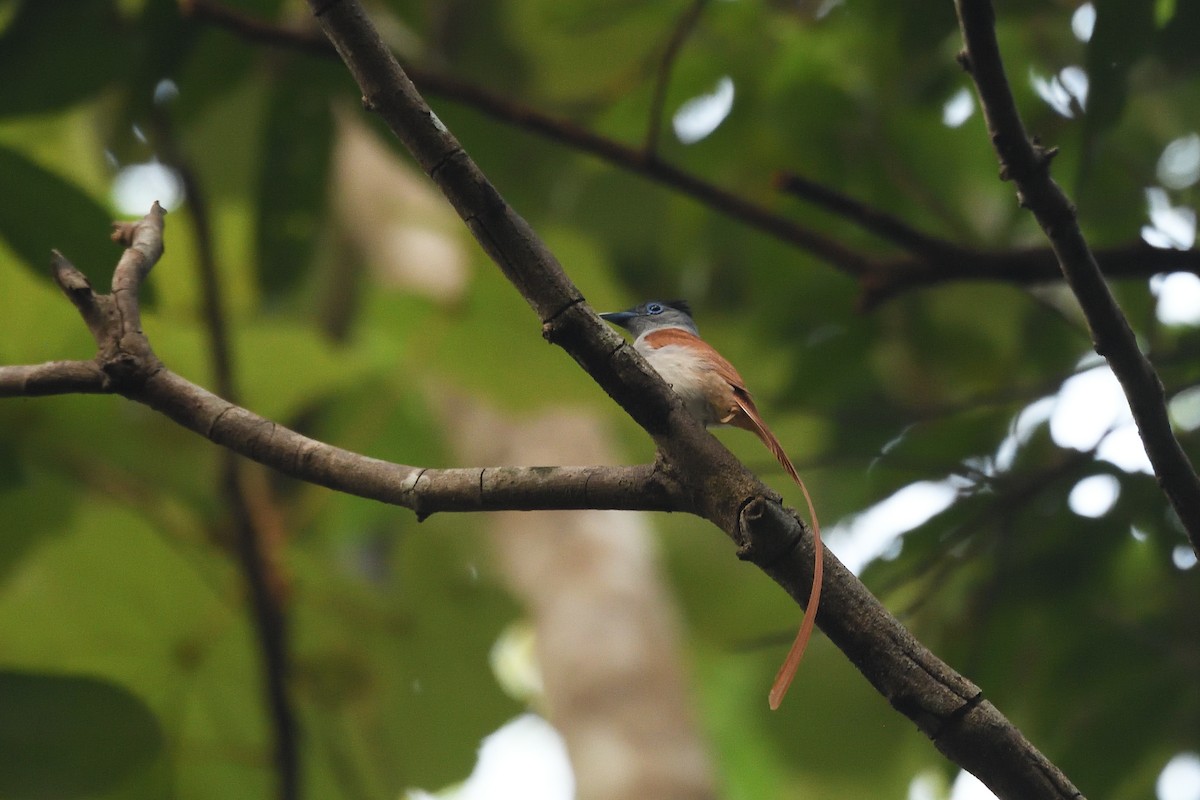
(654, 314)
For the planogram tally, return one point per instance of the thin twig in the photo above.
(869, 218)
(880, 279)
(212, 304)
(78, 289)
(1027, 163)
(143, 245)
(260, 563)
(683, 29)
(562, 131)
(252, 29)
(1027, 266)
(260, 571)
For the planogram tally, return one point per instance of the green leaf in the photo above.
(293, 178)
(54, 213)
(576, 51)
(12, 473)
(409, 647)
(1164, 12)
(70, 736)
(54, 55)
(1177, 37)
(1123, 34)
(205, 62)
(36, 507)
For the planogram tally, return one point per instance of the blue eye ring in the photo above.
(654, 308)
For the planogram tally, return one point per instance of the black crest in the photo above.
(679, 305)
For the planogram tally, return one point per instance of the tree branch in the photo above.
(253, 29)
(880, 279)
(143, 378)
(943, 704)
(53, 377)
(683, 29)
(1027, 163)
(1022, 267)
(873, 220)
(426, 491)
(259, 544)
(564, 132)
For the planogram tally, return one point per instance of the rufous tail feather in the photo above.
(787, 671)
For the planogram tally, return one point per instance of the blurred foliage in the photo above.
(127, 647)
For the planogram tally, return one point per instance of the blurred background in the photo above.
(178, 623)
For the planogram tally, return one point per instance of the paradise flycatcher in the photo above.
(713, 391)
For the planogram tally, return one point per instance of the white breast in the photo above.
(689, 375)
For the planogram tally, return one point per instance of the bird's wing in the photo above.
(679, 336)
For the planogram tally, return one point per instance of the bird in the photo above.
(712, 391)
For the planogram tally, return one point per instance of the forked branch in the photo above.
(125, 364)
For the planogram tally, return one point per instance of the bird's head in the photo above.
(654, 314)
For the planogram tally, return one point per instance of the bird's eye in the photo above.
(654, 308)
